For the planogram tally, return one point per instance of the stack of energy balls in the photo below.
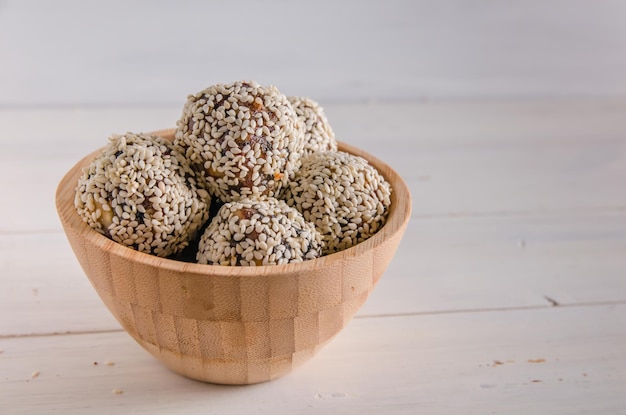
(253, 177)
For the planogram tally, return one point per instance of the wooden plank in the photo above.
(548, 361)
(71, 133)
(439, 125)
(442, 265)
(498, 262)
(28, 188)
(472, 182)
(44, 290)
(574, 160)
(515, 178)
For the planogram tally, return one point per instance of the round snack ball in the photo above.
(258, 232)
(141, 192)
(343, 195)
(318, 135)
(243, 138)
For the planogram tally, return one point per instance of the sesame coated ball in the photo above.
(255, 231)
(141, 192)
(318, 134)
(343, 195)
(243, 138)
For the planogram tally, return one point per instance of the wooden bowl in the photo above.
(233, 325)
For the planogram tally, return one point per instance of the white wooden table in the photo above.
(507, 294)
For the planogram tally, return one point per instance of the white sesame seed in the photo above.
(261, 230)
(135, 169)
(282, 144)
(343, 195)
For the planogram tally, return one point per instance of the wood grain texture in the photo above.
(514, 252)
(442, 265)
(567, 360)
(459, 158)
(233, 325)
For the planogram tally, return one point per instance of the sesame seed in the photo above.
(345, 215)
(132, 170)
(317, 132)
(251, 125)
(253, 231)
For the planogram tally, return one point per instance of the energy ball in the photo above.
(318, 135)
(258, 232)
(243, 138)
(141, 192)
(343, 195)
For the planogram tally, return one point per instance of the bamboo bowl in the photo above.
(233, 325)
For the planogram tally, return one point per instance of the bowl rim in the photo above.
(397, 219)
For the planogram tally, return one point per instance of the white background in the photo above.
(118, 52)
